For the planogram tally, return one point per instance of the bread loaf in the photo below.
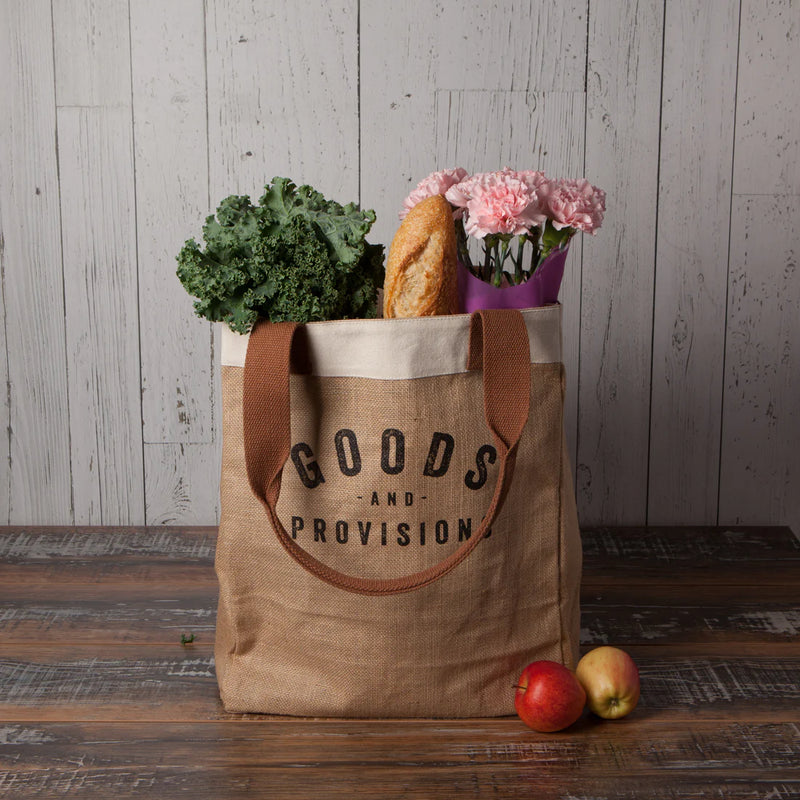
(421, 267)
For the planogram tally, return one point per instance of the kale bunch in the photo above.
(295, 256)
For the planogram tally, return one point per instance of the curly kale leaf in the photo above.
(343, 228)
(295, 256)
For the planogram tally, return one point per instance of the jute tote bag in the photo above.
(398, 534)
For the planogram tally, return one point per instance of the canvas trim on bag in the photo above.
(420, 347)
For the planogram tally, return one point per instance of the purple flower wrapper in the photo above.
(539, 290)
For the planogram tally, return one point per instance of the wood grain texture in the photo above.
(30, 545)
(181, 483)
(155, 612)
(768, 99)
(410, 51)
(285, 760)
(548, 131)
(761, 416)
(710, 748)
(700, 52)
(113, 682)
(70, 682)
(687, 611)
(171, 154)
(712, 556)
(82, 556)
(99, 236)
(171, 602)
(622, 133)
(5, 406)
(98, 213)
(282, 96)
(603, 547)
(91, 43)
(36, 448)
(394, 783)
(507, 44)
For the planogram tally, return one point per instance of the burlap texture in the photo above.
(288, 643)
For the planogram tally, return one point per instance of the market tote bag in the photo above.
(398, 533)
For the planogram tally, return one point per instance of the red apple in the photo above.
(611, 681)
(549, 697)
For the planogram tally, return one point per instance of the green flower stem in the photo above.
(535, 238)
(463, 249)
(518, 261)
(501, 253)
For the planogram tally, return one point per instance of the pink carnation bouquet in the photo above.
(497, 208)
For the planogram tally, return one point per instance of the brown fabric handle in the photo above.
(498, 345)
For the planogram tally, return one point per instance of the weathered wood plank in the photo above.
(703, 555)
(768, 101)
(81, 682)
(547, 126)
(107, 555)
(5, 407)
(36, 448)
(171, 143)
(411, 50)
(694, 204)
(760, 418)
(401, 782)
(85, 760)
(27, 544)
(682, 614)
(721, 686)
(157, 612)
(111, 571)
(99, 236)
(282, 96)
(622, 134)
(151, 613)
(603, 746)
(508, 44)
(77, 682)
(760, 456)
(91, 43)
(93, 95)
(182, 483)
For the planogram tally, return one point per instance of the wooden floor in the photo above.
(99, 699)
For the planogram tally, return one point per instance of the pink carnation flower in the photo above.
(576, 204)
(540, 185)
(497, 202)
(533, 179)
(461, 193)
(435, 183)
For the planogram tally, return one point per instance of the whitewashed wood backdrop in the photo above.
(124, 122)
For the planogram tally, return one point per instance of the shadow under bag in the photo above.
(398, 535)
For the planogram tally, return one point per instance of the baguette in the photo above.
(421, 267)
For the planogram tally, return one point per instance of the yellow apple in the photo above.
(611, 681)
